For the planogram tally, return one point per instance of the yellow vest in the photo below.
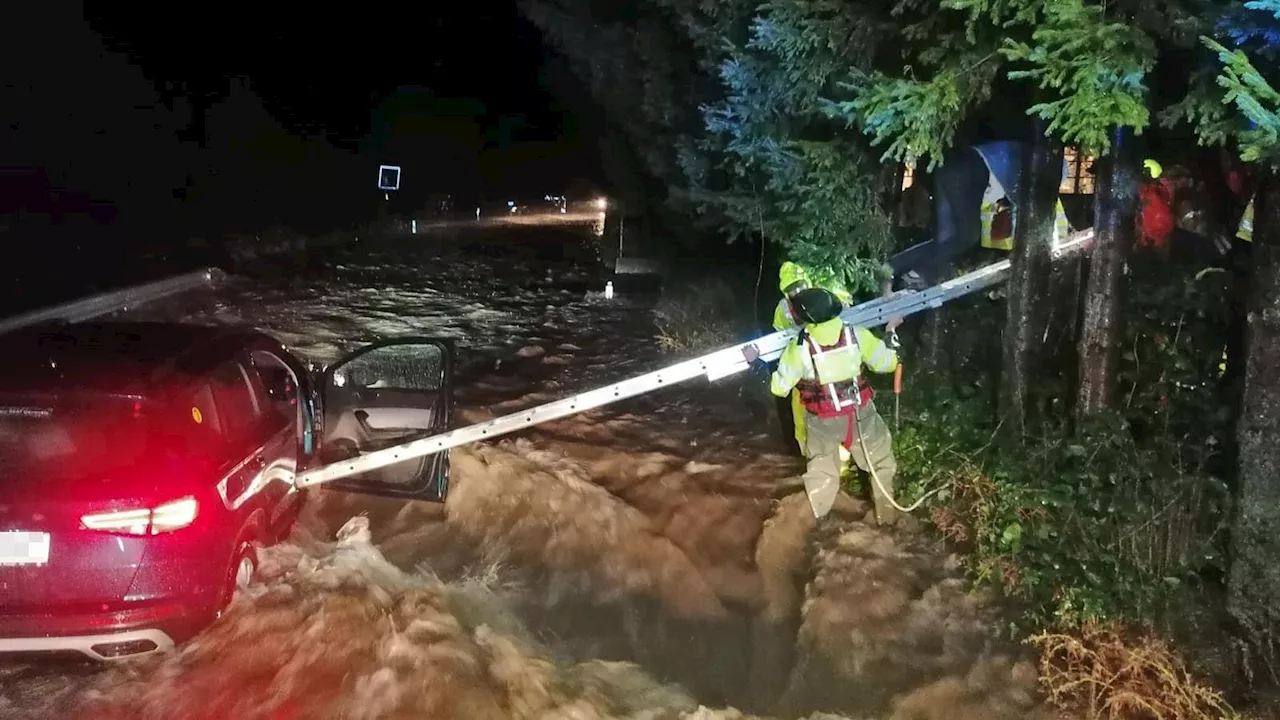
(1061, 228)
(988, 211)
(1245, 230)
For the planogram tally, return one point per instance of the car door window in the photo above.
(275, 384)
(238, 408)
(204, 412)
(196, 426)
(413, 367)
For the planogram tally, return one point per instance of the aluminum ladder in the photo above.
(713, 366)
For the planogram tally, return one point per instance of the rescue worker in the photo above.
(967, 192)
(1155, 213)
(995, 205)
(793, 278)
(999, 218)
(824, 364)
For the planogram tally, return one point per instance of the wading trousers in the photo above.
(823, 439)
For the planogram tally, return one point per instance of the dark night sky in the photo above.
(450, 91)
(318, 71)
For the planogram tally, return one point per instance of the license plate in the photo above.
(24, 548)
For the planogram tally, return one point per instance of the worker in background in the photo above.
(792, 278)
(1155, 211)
(824, 364)
(1178, 219)
(999, 217)
(969, 192)
(996, 216)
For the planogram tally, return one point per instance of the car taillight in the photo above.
(145, 521)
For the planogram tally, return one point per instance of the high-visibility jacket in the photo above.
(825, 364)
(791, 273)
(1061, 227)
(784, 318)
(989, 240)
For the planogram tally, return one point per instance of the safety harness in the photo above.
(838, 388)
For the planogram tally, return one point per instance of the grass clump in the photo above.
(1114, 675)
(697, 317)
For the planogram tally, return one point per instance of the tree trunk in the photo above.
(1066, 283)
(1115, 209)
(1242, 271)
(1253, 582)
(1028, 289)
(894, 194)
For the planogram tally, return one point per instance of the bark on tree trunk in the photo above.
(1253, 582)
(1028, 289)
(889, 185)
(1115, 209)
(1066, 283)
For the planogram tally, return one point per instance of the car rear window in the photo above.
(97, 432)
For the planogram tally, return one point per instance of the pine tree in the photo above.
(794, 175)
(1086, 73)
(1236, 104)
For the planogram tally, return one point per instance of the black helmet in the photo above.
(816, 305)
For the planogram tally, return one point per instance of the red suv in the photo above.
(141, 463)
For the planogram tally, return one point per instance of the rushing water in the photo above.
(627, 562)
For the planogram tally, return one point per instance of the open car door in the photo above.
(386, 394)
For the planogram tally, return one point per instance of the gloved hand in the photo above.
(758, 368)
(892, 341)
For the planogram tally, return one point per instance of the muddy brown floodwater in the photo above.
(624, 563)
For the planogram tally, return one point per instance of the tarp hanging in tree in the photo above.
(1004, 161)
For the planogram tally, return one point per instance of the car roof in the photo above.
(107, 357)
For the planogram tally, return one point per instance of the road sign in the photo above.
(388, 177)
